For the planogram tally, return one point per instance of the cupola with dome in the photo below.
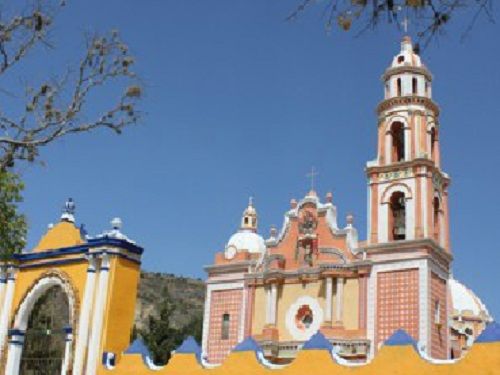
(246, 238)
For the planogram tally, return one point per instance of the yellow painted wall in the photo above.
(259, 311)
(483, 359)
(26, 278)
(288, 294)
(350, 314)
(122, 294)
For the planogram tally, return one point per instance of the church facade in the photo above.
(314, 275)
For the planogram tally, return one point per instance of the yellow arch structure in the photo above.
(100, 278)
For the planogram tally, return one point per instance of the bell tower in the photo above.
(408, 191)
(408, 239)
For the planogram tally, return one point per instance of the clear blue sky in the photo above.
(239, 102)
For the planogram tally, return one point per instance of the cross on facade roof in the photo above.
(312, 175)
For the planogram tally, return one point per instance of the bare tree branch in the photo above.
(56, 108)
(429, 16)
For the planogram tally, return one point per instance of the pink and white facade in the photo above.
(314, 275)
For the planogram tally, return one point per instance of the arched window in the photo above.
(398, 83)
(397, 216)
(398, 142)
(225, 327)
(433, 144)
(414, 86)
(436, 218)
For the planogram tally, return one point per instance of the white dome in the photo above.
(463, 299)
(247, 240)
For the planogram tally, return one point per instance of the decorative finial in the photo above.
(273, 232)
(69, 211)
(350, 219)
(293, 203)
(329, 197)
(116, 223)
(250, 201)
(312, 175)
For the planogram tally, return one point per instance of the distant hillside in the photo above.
(186, 293)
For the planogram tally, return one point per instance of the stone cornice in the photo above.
(231, 267)
(408, 100)
(409, 245)
(406, 69)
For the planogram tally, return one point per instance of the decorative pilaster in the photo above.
(328, 299)
(83, 328)
(95, 343)
(339, 297)
(6, 307)
(16, 343)
(66, 366)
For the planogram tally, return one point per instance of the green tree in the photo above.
(12, 223)
(161, 337)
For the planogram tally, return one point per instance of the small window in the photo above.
(414, 86)
(225, 327)
(433, 144)
(246, 220)
(437, 313)
(401, 59)
(436, 218)
(398, 83)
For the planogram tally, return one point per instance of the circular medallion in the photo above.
(304, 318)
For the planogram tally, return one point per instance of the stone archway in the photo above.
(21, 325)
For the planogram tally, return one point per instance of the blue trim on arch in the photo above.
(104, 268)
(16, 342)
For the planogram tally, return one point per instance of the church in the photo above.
(315, 275)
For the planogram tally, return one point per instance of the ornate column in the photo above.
(6, 307)
(339, 297)
(328, 299)
(268, 305)
(16, 343)
(83, 328)
(274, 303)
(3, 285)
(94, 349)
(67, 351)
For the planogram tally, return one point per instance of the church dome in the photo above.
(247, 241)
(465, 302)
